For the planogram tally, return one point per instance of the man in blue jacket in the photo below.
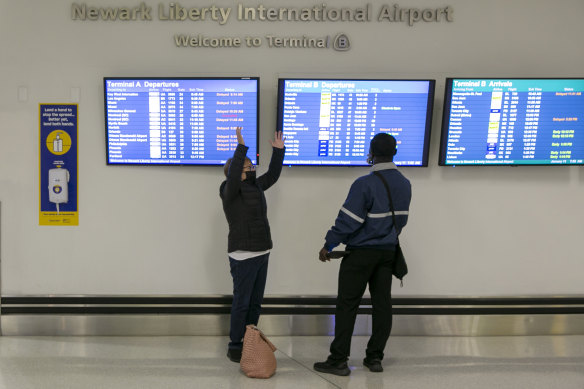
(364, 224)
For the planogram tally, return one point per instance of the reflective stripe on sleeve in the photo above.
(352, 215)
(386, 214)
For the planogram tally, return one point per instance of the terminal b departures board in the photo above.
(513, 122)
(179, 121)
(331, 122)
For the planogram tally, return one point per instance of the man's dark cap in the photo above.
(383, 145)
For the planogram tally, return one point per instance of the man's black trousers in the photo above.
(359, 268)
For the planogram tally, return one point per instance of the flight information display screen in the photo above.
(513, 122)
(179, 121)
(331, 122)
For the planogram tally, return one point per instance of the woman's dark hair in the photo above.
(228, 165)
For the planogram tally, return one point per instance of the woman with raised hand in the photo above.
(249, 240)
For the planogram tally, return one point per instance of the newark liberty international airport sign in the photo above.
(175, 12)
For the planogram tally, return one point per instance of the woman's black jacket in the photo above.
(244, 203)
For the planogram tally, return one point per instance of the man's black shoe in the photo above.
(336, 368)
(234, 355)
(374, 365)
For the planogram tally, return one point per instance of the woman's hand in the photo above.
(278, 141)
(239, 136)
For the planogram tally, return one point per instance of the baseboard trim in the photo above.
(286, 315)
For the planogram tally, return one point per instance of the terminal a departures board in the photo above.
(182, 121)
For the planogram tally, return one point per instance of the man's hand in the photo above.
(278, 141)
(239, 136)
(322, 255)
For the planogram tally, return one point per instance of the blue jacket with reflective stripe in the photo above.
(365, 219)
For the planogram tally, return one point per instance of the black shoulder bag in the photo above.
(400, 268)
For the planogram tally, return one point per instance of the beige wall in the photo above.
(160, 230)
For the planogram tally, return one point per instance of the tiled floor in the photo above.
(200, 362)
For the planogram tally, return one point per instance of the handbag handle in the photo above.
(270, 344)
(261, 334)
(390, 202)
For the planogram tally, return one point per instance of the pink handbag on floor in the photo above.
(257, 357)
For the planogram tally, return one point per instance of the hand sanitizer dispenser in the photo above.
(58, 186)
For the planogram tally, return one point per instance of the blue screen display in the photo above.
(513, 122)
(331, 122)
(179, 121)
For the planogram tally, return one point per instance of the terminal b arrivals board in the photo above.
(513, 122)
